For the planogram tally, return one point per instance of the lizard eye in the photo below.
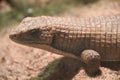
(34, 33)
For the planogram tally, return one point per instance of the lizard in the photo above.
(90, 40)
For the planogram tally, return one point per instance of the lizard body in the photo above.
(100, 36)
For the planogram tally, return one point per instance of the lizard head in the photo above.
(32, 31)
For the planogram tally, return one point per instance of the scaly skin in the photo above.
(86, 39)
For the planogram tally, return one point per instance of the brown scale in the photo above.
(114, 37)
(108, 37)
(102, 25)
(118, 39)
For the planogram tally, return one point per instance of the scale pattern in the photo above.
(101, 34)
(73, 35)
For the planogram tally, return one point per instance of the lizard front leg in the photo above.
(91, 59)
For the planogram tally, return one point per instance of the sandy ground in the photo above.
(18, 62)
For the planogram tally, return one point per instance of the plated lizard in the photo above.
(90, 40)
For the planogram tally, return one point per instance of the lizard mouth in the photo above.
(13, 37)
(18, 39)
(22, 40)
(26, 42)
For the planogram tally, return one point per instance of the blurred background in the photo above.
(12, 11)
(18, 62)
(15, 10)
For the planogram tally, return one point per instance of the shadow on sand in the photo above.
(66, 68)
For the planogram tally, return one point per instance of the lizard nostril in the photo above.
(13, 36)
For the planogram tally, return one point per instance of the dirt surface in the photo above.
(18, 62)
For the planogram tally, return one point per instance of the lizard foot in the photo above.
(91, 59)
